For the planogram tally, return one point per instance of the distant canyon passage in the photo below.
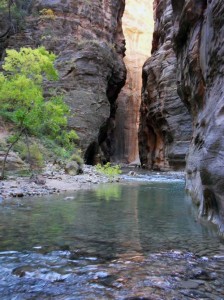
(137, 24)
(182, 87)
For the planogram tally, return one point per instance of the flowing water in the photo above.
(135, 240)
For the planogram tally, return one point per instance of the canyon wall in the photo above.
(137, 24)
(183, 99)
(88, 40)
(165, 123)
(200, 79)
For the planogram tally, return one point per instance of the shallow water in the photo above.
(136, 240)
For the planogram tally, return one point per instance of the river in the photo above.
(138, 239)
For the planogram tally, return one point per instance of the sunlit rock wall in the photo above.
(200, 73)
(165, 123)
(87, 37)
(137, 24)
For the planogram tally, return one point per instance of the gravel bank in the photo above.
(50, 182)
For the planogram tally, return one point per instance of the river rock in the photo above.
(189, 284)
(72, 168)
(17, 193)
(40, 180)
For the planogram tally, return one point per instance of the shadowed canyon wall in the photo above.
(88, 39)
(183, 99)
(200, 75)
(137, 24)
(165, 123)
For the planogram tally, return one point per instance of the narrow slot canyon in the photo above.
(137, 24)
(163, 112)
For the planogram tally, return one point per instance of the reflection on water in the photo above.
(109, 192)
(130, 237)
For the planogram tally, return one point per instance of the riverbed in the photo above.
(137, 239)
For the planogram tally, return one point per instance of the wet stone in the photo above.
(194, 294)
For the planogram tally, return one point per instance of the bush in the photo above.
(108, 170)
(76, 157)
(32, 155)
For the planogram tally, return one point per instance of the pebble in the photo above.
(101, 275)
(21, 187)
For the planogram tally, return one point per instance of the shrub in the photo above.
(32, 154)
(47, 13)
(108, 170)
(76, 157)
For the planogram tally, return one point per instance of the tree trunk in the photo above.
(2, 177)
(29, 154)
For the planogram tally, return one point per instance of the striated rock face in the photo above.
(200, 55)
(165, 123)
(137, 23)
(187, 64)
(87, 37)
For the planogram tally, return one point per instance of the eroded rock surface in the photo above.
(165, 123)
(187, 63)
(87, 37)
(200, 52)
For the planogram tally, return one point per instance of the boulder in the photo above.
(72, 168)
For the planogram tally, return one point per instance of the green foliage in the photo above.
(77, 157)
(32, 155)
(22, 101)
(21, 91)
(3, 4)
(53, 150)
(108, 170)
(67, 139)
(36, 157)
(32, 63)
(21, 94)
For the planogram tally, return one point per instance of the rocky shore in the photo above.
(50, 182)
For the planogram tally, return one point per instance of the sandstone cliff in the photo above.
(200, 75)
(87, 37)
(183, 87)
(137, 23)
(165, 123)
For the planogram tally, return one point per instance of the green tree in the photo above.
(22, 101)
